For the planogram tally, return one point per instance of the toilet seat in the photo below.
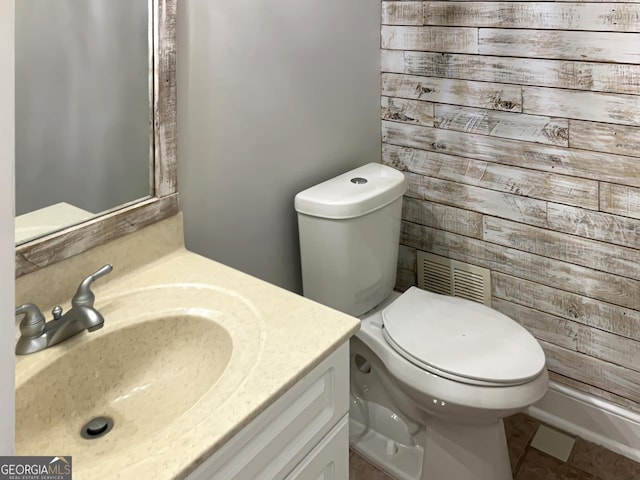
(461, 340)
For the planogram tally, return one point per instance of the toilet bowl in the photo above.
(432, 376)
(399, 409)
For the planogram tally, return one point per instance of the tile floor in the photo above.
(534, 450)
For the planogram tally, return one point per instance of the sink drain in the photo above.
(96, 428)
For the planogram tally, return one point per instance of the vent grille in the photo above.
(451, 277)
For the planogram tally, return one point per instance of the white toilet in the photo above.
(432, 376)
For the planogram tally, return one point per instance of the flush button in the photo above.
(359, 180)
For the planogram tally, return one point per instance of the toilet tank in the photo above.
(349, 228)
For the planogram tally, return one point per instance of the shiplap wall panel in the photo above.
(530, 128)
(523, 181)
(392, 61)
(482, 200)
(544, 326)
(475, 94)
(591, 370)
(565, 45)
(596, 225)
(409, 111)
(585, 281)
(607, 346)
(604, 316)
(444, 217)
(566, 161)
(402, 13)
(620, 199)
(561, 246)
(605, 17)
(593, 106)
(442, 39)
(604, 137)
(596, 77)
(530, 167)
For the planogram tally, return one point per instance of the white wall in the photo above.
(7, 267)
(273, 96)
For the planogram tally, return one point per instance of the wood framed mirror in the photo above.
(163, 202)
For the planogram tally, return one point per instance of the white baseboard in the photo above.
(591, 418)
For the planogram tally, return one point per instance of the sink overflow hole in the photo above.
(96, 428)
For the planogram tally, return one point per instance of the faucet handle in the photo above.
(84, 297)
(33, 322)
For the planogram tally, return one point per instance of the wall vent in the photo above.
(450, 277)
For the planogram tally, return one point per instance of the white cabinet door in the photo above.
(271, 445)
(329, 460)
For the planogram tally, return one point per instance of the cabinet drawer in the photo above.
(280, 437)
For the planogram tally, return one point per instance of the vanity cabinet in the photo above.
(303, 435)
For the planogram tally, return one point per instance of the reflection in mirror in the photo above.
(83, 110)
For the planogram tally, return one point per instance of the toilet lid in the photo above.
(460, 339)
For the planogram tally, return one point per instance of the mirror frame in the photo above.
(57, 246)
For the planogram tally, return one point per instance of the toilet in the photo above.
(432, 376)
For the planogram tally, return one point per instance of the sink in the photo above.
(167, 357)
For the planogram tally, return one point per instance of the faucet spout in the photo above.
(73, 322)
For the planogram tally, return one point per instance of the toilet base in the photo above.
(453, 451)
(403, 462)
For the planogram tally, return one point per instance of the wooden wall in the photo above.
(519, 126)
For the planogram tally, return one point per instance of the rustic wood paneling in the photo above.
(597, 77)
(412, 210)
(392, 61)
(566, 161)
(407, 111)
(414, 186)
(522, 181)
(516, 126)
(584, 281)
(607, 346)
(605, 17)
(407, 258)
(603, 256)
(482, 200)
(549, 171)
(596, 225)
(405, 279)
(593, 371)
(620, 199)
(435, 39)
(474, 94)
(543, 326)
(593, 106)
(565, 45)
(402, 13)
(579, 308)
(604, 137)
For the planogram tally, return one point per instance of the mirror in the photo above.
(83, 103)
(95, 123)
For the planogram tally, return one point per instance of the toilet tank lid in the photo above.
(354, 193)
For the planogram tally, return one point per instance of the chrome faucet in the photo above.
(37, 334)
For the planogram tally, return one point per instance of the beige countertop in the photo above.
(288, 336)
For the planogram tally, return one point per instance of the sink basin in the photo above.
(167, 357)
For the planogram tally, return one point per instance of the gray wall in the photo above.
(82, 103)
(273, 96)
(7, 284)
